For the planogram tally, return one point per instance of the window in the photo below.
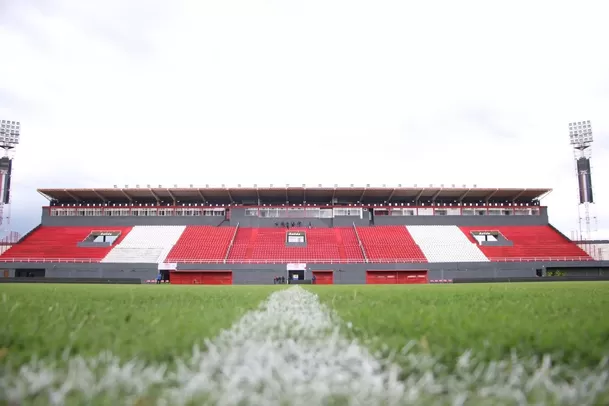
(103, 237)
(348, 212)
(296, 237)
(486, 236)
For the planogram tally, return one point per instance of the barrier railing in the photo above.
(308, 261)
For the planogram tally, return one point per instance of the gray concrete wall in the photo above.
(347, 221)
(343, 273)
(88, 270)
(356, 273)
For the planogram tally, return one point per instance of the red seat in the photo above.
(530, 242)
(61, 243)
(202, 243)
(390, 243)
(331, 244)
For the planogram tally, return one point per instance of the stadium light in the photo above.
(580, 132)
(9, 133)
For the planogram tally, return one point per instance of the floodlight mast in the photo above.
(10, 132)
(580, 137)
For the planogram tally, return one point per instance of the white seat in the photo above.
(446, 244)
(145, 244)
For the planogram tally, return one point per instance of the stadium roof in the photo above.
(252, 195)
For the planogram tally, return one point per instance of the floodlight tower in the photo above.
(9, 139)
(580, 135)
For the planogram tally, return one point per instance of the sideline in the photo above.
(290, 351)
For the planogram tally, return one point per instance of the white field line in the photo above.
(290, 352)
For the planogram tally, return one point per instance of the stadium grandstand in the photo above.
(346, 235)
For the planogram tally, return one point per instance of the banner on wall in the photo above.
(168, 266)
(296, 267)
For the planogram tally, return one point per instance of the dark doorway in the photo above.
(30, 273)
(296, 275)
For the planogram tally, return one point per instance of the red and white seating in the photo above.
(154, 244)
(145, 244)
(61, 243)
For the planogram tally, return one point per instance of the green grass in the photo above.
(562, 319)
(153, 323)
(160, 324)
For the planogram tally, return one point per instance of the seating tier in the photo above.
(202, 243)
(59, 243)
(530, 242)
(270, 244)
(153, 244)
(390, 243)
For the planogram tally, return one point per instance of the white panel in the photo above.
(146, 244)
(446, 244)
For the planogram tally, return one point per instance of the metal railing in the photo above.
(302, 260)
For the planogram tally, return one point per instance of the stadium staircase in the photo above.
(145, 244)
(445, 244)
(50, 244)
(389, 244)
(239, 251)
(530, 242)
(360, 244)
(202, 243)
(230, 246)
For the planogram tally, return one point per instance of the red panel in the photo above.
(381, 277)
(529, 242)
(324, 277)
(202, 278)
(62, 243)
(409, 277)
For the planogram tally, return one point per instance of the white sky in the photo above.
(262, 91)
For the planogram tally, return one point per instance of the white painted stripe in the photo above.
(446, 244)
(145, 244)
(290, 352)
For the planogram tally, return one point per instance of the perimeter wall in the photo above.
(343, 273)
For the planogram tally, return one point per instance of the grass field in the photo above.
(445, 344)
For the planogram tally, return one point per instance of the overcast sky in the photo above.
(262, 91)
